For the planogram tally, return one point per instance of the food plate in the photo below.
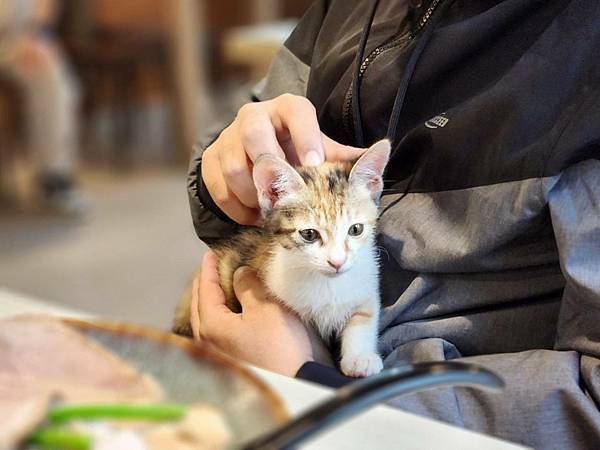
(191, 372)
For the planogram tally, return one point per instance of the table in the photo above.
(382, 427)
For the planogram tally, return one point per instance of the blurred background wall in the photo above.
(100, 102)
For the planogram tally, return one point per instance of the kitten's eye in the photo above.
(356, 229)
(309, 235)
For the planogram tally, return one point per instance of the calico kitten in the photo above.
(316, 251)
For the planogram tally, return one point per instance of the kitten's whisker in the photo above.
(383, 249)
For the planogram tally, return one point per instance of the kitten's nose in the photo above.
(336, 263)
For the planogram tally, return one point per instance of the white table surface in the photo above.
(381, 427)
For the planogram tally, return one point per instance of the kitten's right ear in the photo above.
(368, 170)
(276, 181)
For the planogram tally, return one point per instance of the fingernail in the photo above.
(312, 158)
(241, 273)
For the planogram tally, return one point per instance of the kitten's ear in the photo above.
(368, 170)
(275, 181)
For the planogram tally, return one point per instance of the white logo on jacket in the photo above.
(437, 122)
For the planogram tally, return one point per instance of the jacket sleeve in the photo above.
(318, 373)
(288, 73)
(574, 200)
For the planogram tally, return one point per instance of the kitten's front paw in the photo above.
(361, 364)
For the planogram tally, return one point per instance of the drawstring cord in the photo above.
(394, 121)
(360, 54)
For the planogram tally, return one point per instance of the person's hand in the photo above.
(265, 334)
(286, 126)
(34, 54)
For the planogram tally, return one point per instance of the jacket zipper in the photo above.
(347, 117)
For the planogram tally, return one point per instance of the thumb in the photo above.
(249, 290)
(208, 304)
(194, 310)
(334, 151)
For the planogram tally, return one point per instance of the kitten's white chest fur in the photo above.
(327, 302)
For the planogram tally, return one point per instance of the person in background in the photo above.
(31, 59)
(491, 213)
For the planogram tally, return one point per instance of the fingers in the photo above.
(249, 290)
(298, 115)
(251, 135)
(237, 171)
(222, 195)
(334, 151)
(208, 308)
(286, 126)
(194, 309)
(257, 131)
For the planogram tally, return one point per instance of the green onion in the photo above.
(152, 412)
(58, 439)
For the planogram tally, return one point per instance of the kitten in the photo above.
(316, 251)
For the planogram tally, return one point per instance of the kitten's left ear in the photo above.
(368, 170)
